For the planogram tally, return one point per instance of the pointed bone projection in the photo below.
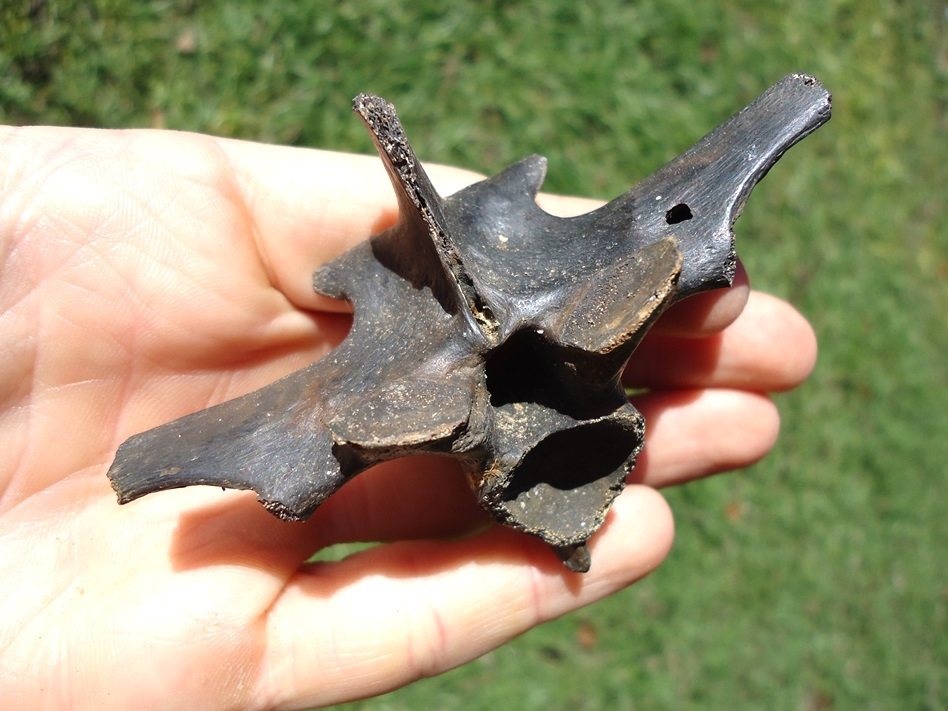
(488, 330)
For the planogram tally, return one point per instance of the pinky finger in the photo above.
(399, 612)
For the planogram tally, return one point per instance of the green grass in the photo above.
(819, 578)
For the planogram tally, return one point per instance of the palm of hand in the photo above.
(144, 276)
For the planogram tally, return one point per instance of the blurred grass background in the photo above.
(819, 578)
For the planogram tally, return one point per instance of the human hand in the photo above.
(145, 275)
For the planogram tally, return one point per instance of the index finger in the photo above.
(309, 206)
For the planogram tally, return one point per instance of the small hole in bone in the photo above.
(679, 213)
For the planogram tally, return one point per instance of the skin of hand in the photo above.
(145, 275)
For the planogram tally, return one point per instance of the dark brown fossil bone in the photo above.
(488, 330)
